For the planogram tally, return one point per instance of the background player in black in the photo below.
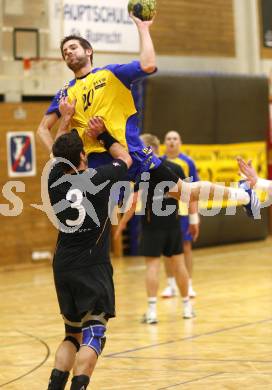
(82, 268)
(160, 236)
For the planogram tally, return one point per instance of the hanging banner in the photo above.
(104, 23)
(21, 154)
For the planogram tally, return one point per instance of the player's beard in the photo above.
(78, 63)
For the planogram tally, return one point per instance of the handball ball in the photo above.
(142, 9)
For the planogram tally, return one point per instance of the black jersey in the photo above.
(81, 205)
(158, 202)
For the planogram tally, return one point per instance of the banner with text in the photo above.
(105, 23)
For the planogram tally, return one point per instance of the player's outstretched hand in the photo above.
(247, 170)
(194, 231)
(141, 23)
(96, 127)
(67, 109)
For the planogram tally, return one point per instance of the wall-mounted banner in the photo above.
(21, 154)
(217, 162)
(105, 23)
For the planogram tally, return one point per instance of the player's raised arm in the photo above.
(44, 129)
(50, 118)
(147, 51)
(67, 111)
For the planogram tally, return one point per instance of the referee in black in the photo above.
(82, 268)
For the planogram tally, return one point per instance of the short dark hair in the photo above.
(69, 146)
(83, 43)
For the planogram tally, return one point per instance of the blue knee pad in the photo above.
(94, 337)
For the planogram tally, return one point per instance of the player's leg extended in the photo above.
(65, 355)
(205, 190)
(199, 190)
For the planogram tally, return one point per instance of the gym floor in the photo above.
(227, 346)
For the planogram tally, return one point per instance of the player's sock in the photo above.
(80, 382)
(58, 379)
(172, 283)
(239, 196)
(187, 308)
(264, 185)
(253, 207)
(152, 304)
(186, 299)
(192, 293)
(150, 317)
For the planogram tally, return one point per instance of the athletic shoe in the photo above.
(169, 292)
(188, 311)
(192, 293)
(150, 317)
(253, 207)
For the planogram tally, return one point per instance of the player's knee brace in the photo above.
(73, 340)
(58, 379)
(94, 337)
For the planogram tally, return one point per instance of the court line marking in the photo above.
(38, 365)
(189, 337)
(193, 359)
(260, 373)
(190, 381)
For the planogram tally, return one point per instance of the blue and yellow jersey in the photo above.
(189, 168)
(187, 164)
(105, 92)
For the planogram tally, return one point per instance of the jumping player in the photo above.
(81, 266)
(106, 93)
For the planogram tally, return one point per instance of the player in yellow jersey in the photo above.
(103, 92)
(106, 92)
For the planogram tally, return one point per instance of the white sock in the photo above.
(239, 195)
(152, 304)
(264, 185)
(190, 283)
(172, 282)
(186, 300)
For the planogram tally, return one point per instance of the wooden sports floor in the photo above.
(227, 346)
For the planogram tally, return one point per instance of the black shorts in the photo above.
(86, 290)
(163, 173)
(157, 242)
